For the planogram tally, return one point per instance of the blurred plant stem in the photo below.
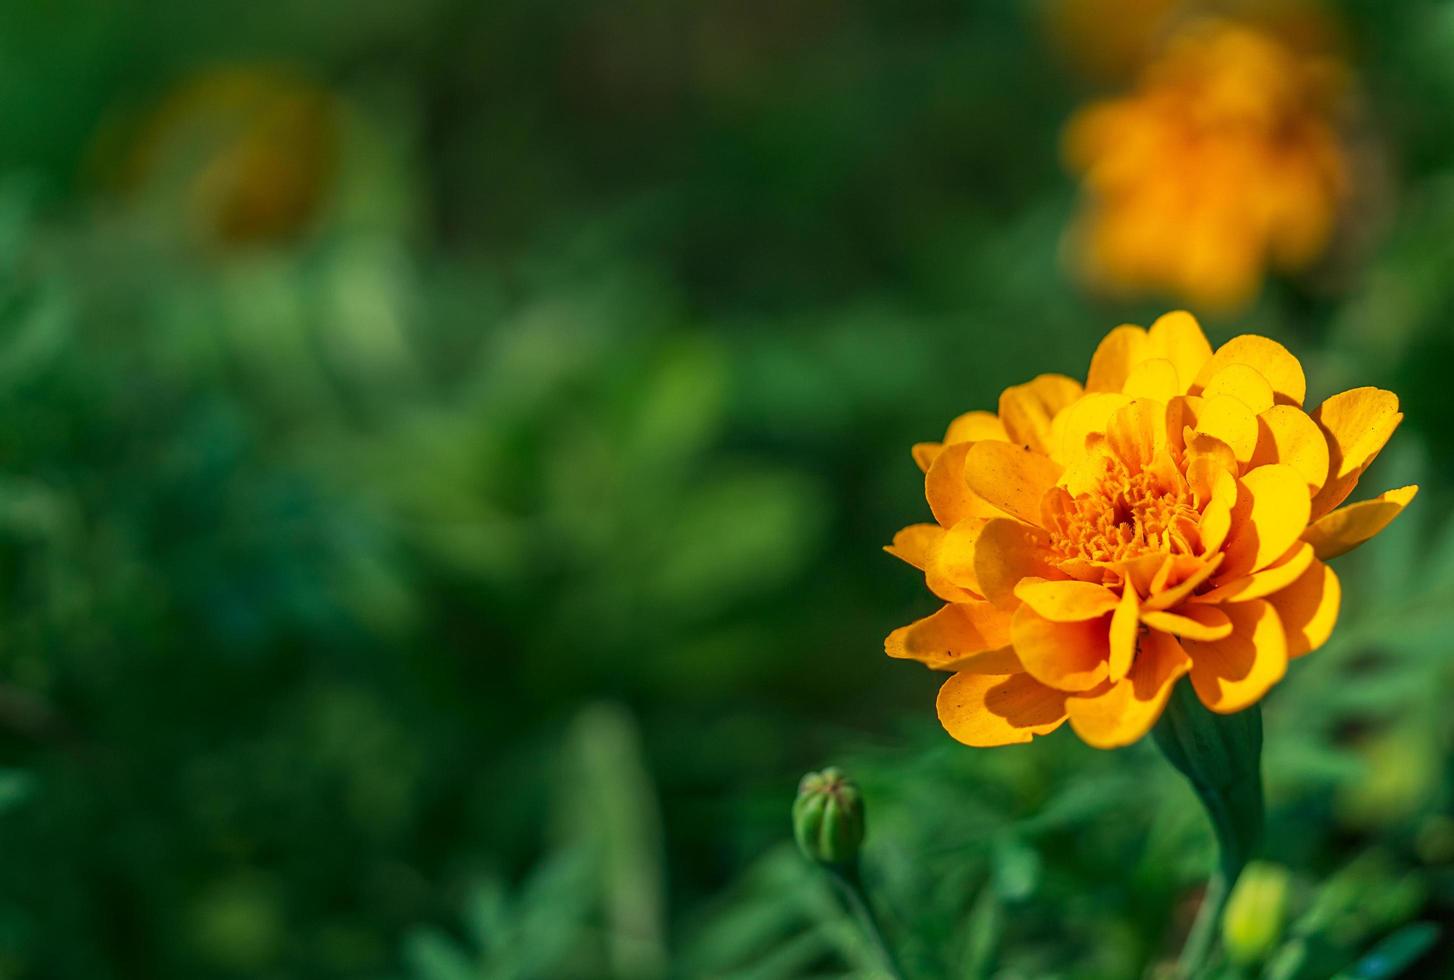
(1221, 756)
(850, 885)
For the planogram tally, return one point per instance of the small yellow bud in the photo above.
(1252, 922)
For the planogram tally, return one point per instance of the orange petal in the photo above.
(1234, 672)
(1347, 527)
(1170, 598)
(983, 710)
(1286, 434)
(974, 426)
(1256, 585)
(1155, 379)
(1005, 552)
(1277, 518)
(1125, 628)
(1244, 383)
(961, 636)
(1066, 656)
(1010, 477)
(947, 490)
(1178, 337)
(1089, 414)
(1121, 350)
(925, 453)
(1227, 419)
(1191, 622)
(1269, 358)
(1137, 432)
(953, 560)
(1028, 409)
(1308, 609)
(1357, 424)
(1127, 710)
(915, 543)
(1068, 601)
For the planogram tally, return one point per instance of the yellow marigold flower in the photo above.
(1171, 517)
(1224, 161)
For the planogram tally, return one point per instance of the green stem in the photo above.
(1221, 756)
(850, 886)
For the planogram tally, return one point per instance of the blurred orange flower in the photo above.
(1172, 516)
(1223, 162)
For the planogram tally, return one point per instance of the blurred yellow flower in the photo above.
(1222, 163)
(1172, 516)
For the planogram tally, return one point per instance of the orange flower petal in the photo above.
(1170, 598)
(1277, 518)
(1308, 608)
(1068, 601)
(1116, 355)
(1137, 432)
(1028, 409)
(1256, 585)
(1125, 629)
(1178, 337)
(925, 453)
(947, 490)
(1127, 710)
(1287, 435)
(915, 543)
(1347, 527)
(953, 560)
(974, 426)
(983, 710)
(960, 636)
(1232, 673)
(1227, 419)
(1244, 383)
(1357, 423)
(1012, 478)
(1066, 656)
(1005, 552)
(1089, 414)
(1155, 379)
(1191, 622)
(1269, 358)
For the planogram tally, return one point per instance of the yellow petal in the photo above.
(1068, 601)
(1173, 596)
(1178, 337)
(947, 490)
(1215, 525)
(1127, 710)
(960, 636)
(1232, 673)
(1244, 383)
(915, 543)
(974, 426)
(1155, 379)
(1011, 477)
(1137, 432)
(1357, 424)
(1227, 419)
(984, 710)
(1286, 434)
(925, 453)
(1308, 608)
(1121, 350)
(1269, 358)
(1347, 527)
(1028, 409)
(1191, 622)
(1088, 414)
(1066, 656)
(1256, 585)
(1005, 552)
(1125, 629)
(1276, 519)
(953, 560)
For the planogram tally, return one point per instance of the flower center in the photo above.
(1127, 515)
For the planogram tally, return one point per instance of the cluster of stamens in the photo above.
(1127, 515)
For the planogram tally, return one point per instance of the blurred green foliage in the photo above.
(456, 584)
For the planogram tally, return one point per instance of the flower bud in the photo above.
(828, 817)
(1252, 921)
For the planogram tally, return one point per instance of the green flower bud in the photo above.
(828, 817)
(1252, 921)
